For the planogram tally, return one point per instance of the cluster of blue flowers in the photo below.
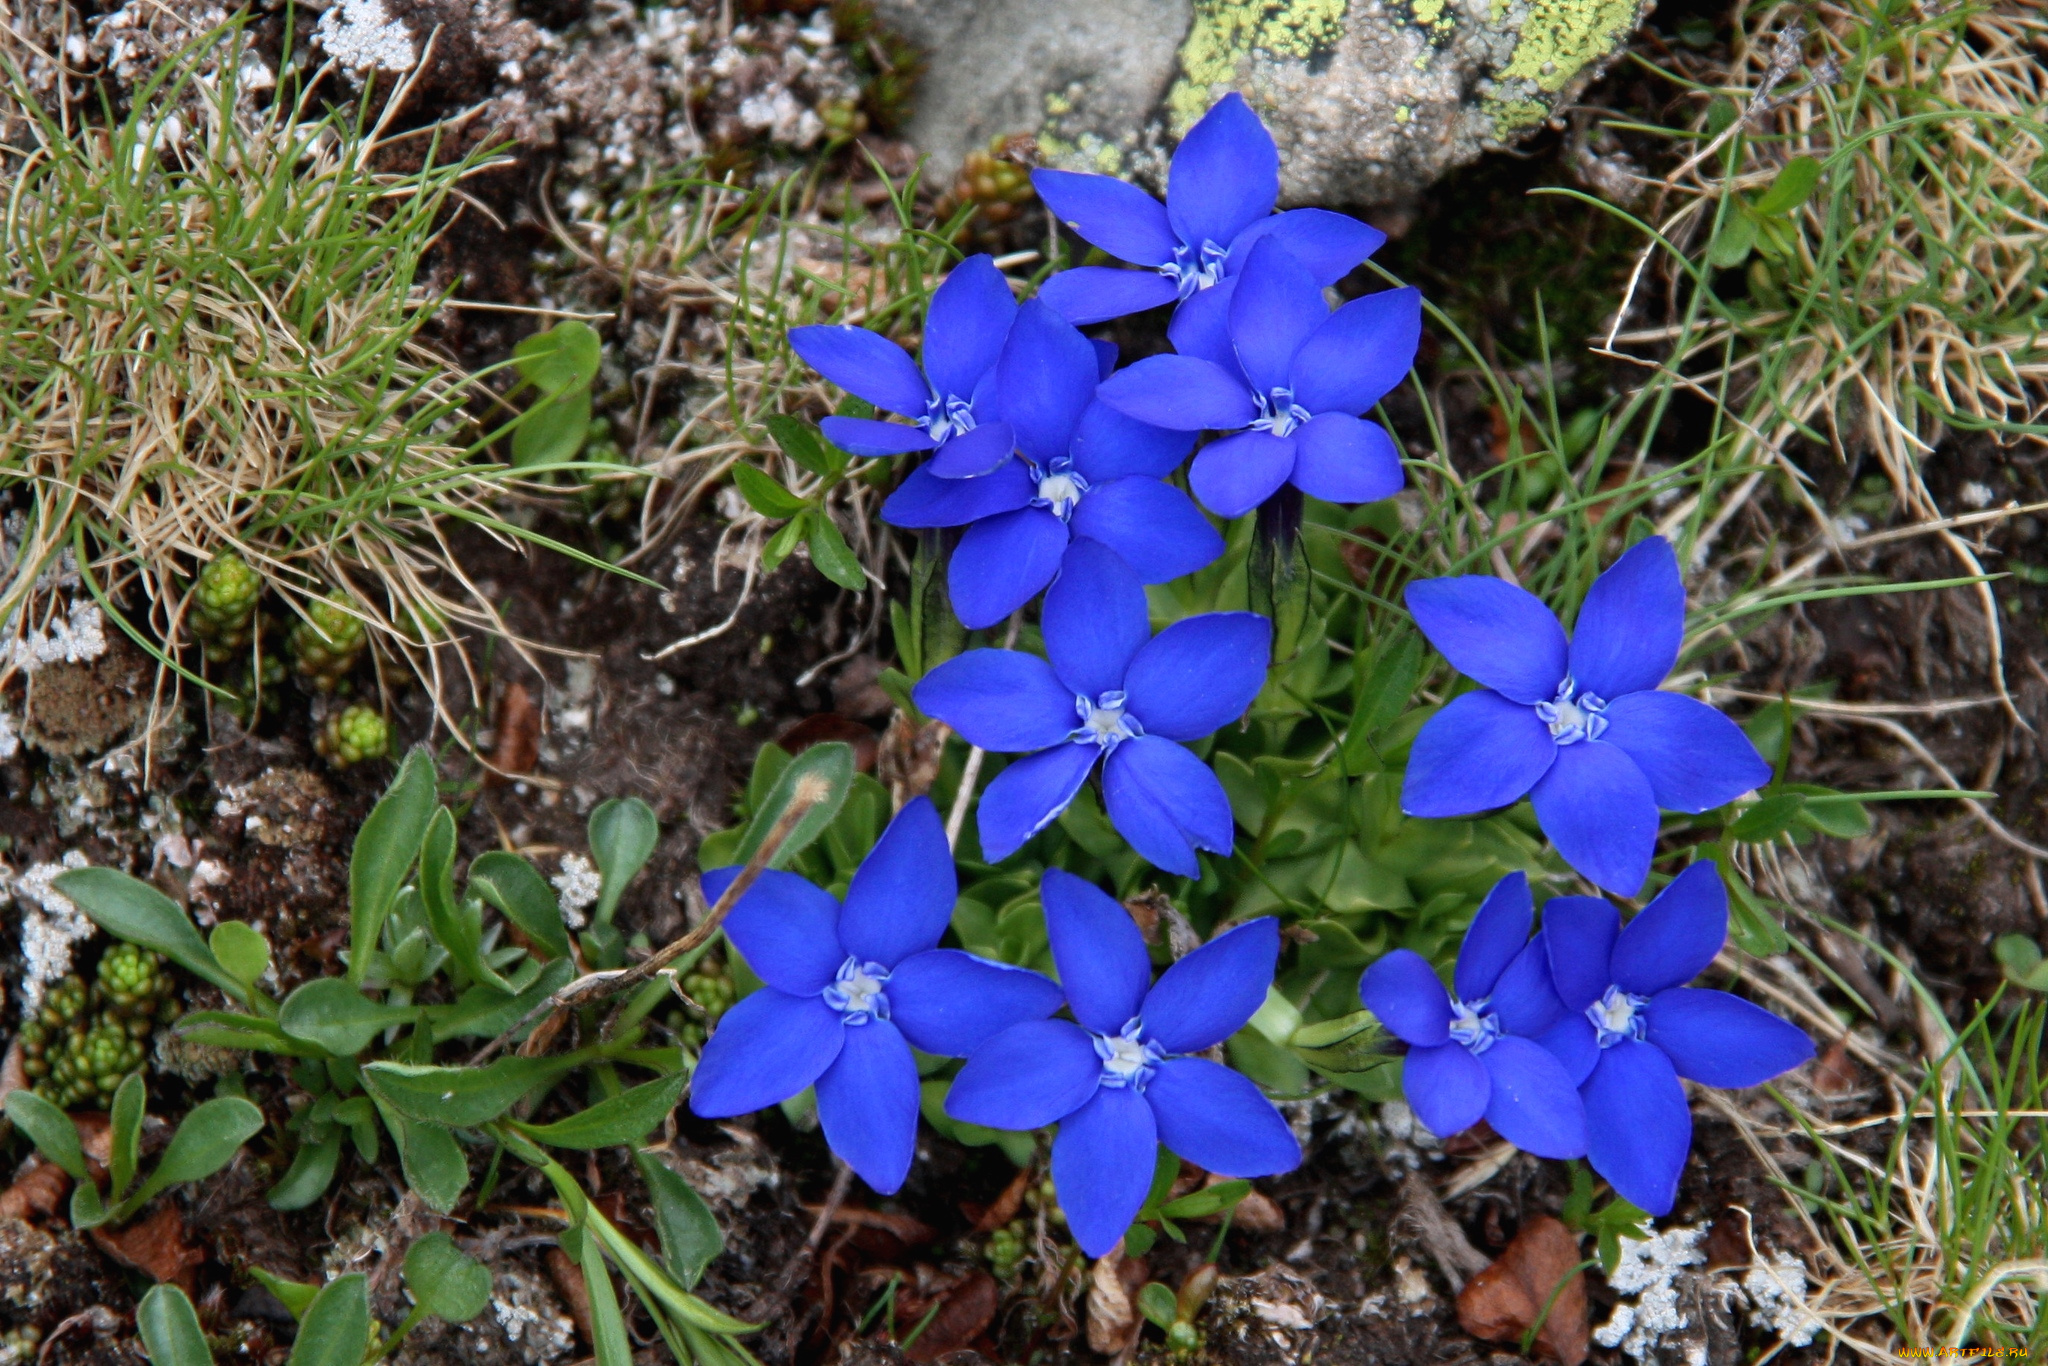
(1056, 465)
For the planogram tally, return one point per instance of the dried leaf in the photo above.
(154, 1246)
(1007, 1204)
(1113, 1285)
(964, 1314)
(575, 1291)
(38, 1190)
(517, 747)
(1507, 1297)
(1834, 1074)
(826, 726)
(909, 1231)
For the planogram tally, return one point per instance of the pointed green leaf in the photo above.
(833, 557)
(384, 852)
(169, 1329)
(50, 1129)
(462, 1097)
(483, 1013)
(1792, 186)
(801, 442)
(607, 1326)
(295, 1296)
(833, 763)
(444, 1280)
(764, 494)
(690, 1236)
(1208, 1200)
(523, 896)
(333, 1014)
(311, 1172)
(129, 908)
(205, 1142)
(623, 833)
(335, 1330)
(433, 1161)
(124, 1133)
(782, 542)
(624, 1118)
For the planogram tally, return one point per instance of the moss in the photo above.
(1514, 116)
(1561, 37)
(1225, 32)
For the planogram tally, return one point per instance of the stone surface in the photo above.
(1369, 100)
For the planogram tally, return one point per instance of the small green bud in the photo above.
(1183, 1338)
(327, 642)
(354, 735)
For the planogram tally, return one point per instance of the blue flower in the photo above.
(1471, 1055)
(948, 402)
(1085, 470)
(1272, 364)
(1580, 727)
(851, 989)
(1119, 1082)
(1111, 691)
(1632, 1027)
(1219, 201)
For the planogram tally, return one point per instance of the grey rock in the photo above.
(1370, 101)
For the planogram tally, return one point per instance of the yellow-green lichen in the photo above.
(1515, 116)
(1426, 12)
(1559, 38)
(1225, 32)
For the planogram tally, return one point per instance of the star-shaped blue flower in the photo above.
(1111, 691)
(1220, 192)
(948, 402)
(1119, 1082)
(1288, 378)
(1084, 470)
(850, 989)
(1580, 727)
(1633, 1027)
(1471, 1056)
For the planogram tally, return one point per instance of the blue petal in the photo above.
(1721, 1040)
(1109, 445)
(926, 500)
(1638, 1127)
(1027, 1076)
(1166, 803)
(1000, 700)
(1095, 294)
(1028, 796)
(1480, 752)
(1329, 244)
(1494, 631)
(1199, 674)
(1628, 632)
(1151, 524)
(1102, 1164)
(1002, 562)
(1499, 931)
(1446, 1087)
(1201, 325)
(1403, 991)
(1574, 1044)
(1186, 393)
(1695, 758)
(1358, 356)
(978, 451)
(1237, 473)
(951, 1003)
(867, 1104)
(1524, 997)
(864, 363)
(1225, 175)
(1109, 213)
(1207, 996)
(902, 895)
(1095, 619)
(1216, 1119)
(787, 928)
(1047, 379)
(766, 1049)
(1099, 952)
(1343, 459)
(1596, 807)
(866, 436)
(1579, 934)
(1677, 935)
(970, 314)
(1276, 306)
(1534, 1103)
(1105, 357)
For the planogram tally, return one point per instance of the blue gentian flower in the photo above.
(1119, 1083)
(1220, 191)
(1084, 470)
(1632, 1027)
(851, 989)
(1472, 1055)
(1580, 727)
(949, 401)
(1288, 378)
(1111, 691)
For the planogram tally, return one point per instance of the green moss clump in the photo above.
(85, 1040)
(224, 600)
(356, 734)
(327, 643)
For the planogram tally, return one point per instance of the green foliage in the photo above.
(1612, 1222)
(445, 1281)
(690, 1237)
(561, 363)
(625, 1118)
(130, 909)
(335, 1329)
(385, 848)
(169, 1329)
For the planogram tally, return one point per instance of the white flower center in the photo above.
(1572, 715)
(1279, 413)
(1104, 721)
(1192, 269)
(1059, 489)
(1476, 1025)
(1128, 1059)
(857, 992)
(1616, 1016)
(947, 416)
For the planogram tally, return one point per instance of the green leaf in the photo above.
(241, 949)
(834, 559)
(50, 1129)
(799, 441)
(1753, 928)
(607, 1326)
(1165, 1171)
(1208, 1200)
(1731, 246)
(552, 431)
(1830, 812)
(833, 763)
(455, 927)
(1767, 819)
(335, 1330)
(523, 896)
(169, 1329)
(1792, 186)
(87, 1210)
(124, 1133)
(624, 1118)
(566, 355)
(205, 1142)
(311, 1172)
(1385, 695)
(461, 1097)
(295, 1296)
(129, 908)
(623, 833)
(1156, 1302)
(1138, 1239)
(483, 1013)
(690, 1236)
(385, 847)
(2021, 958)
(444, 1280)
(782, 542)
(433, 1161)
(332, 1013)
(764, 494)
(1353, 1044)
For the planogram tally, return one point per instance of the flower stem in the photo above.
(1278, 570)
